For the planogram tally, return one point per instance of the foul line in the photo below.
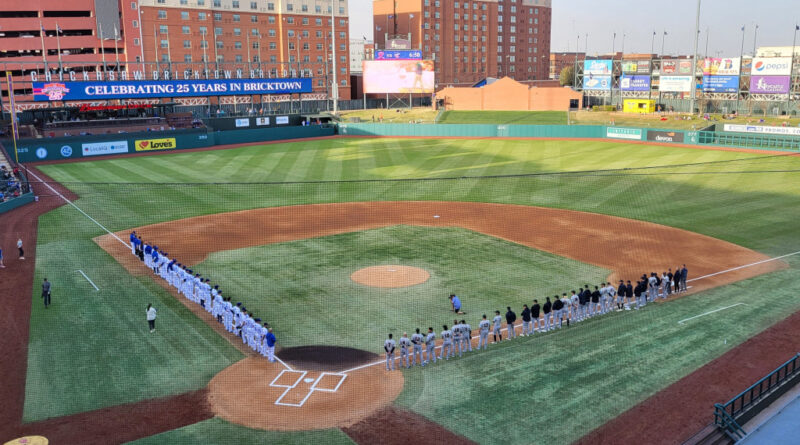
(744, 267)
(90, 281)
(78, 208)
(711, 312)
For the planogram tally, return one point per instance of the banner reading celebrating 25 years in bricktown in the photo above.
(105, 90)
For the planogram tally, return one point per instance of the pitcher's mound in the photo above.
(390, 276)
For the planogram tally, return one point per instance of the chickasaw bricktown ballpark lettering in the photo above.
(49, 91)
(156, 144)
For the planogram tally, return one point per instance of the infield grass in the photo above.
(303, 288)
(750, 199)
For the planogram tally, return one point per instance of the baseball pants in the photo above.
(431, 352)
(404, 357)
(271, 353)
(547, 322)
(467, 346)
(447, 350)
(416, 357)
(511, 333)
(483, 340)
(526, 327)
(390, 361)
(457, 345)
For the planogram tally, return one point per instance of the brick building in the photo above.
(561, 60)
(471, 40)
(273, 38)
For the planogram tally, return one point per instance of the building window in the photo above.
(201, 16)
(237, 31)
(253, 5)
(187, 43)
(218, 16)
(187, 58)
(135, 23)
(237, 18)
(217, 3)
(238, 58)
(162, 14)
(162, 29)
(186, 30)
(271, 19)
(237, 45)
(133, 5)
(201, 2)
(203, 44)
(290, 7)
(220, 44)
(203, 30)
(235, 4)
(184, 2)
(136, 41)
(164, 43)
(165, 58)
(270, 6)
(271, 33)
(253, 19)
(218, 31)
(272, 45)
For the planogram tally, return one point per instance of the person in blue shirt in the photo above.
(133, 242)
(271, 340)
(456, 303)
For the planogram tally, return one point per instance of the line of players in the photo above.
(581, 305)
(234, 317)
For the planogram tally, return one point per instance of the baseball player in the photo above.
(511, 317)
(496, 321)
(388, 346)
(483, 327)
(536, 310)
(466, 338)
(628, 295)
(558, 306)
(456, 329)
(621, 296)
(405, 343)
(271, 340)
(154, 259)
(652, 287)
(574, 307)
(416, 356)
(430, 345)
(547, 307)
(447, 344)
(133, 242)
(565, 303)
(526, 320)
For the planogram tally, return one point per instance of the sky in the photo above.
(720, 20)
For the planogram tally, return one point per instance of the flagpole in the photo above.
(44, 50)
(12, 103)
(102, 48)
(169, 51)
(155, 47)
(739, 87)
(694, 57)
(58, 43)
(791, 69)
(204, 44)
(116, 47)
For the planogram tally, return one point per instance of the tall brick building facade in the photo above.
(474, 39)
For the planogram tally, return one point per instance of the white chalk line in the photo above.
(711, 312)
(311, 390)
(744, 267)
(77, 208)
(90, 281)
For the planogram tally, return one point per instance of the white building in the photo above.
(360, 50)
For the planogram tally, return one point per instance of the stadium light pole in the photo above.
(755, 39)
(335, 89)
(791, 69)
(739, 87)
(663, 38)
(694, 57)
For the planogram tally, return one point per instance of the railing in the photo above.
(740, 408)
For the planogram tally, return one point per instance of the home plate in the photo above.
(308, 380)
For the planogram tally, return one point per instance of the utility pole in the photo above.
(694, 58)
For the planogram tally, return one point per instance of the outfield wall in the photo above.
(88, 147)
(620, 134)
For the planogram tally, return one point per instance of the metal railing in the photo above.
(727, 416)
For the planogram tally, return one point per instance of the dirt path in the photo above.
(395, 426)
(593, 238)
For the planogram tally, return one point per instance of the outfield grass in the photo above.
(505, 117)
(749, 199)
(219, 432)
(677, 121)
(553, 388)
(304, 287)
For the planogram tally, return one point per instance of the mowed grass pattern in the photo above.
(303, 288)
(746, 198)
(504, 117)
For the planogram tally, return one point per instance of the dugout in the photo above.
(640, 106)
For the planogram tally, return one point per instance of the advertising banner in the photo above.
(104, 90)
(156, 144)
(601, 67)
(398, 76)
(104, 148)
(675, 84)
(770, 84)
(592, 82)
(242, 122)
(624, 133)
(261, 121)
(721, 67)
(398, 54)
(720, 84)
(282, 120)
(762, 129)
(634, 83)
(664, 136)
(772, 66)
(676, 67)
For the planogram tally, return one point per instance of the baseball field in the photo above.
(283, 227)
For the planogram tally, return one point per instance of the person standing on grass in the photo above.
(526, 320)
(46, 293)
(416, 356)
(21, 251)
(271, 340)
(483, 327)
(496, 321)
(684, 274)
(151, 317)
(511, 317)
(430, 346)
(546, 309)
(389, 346)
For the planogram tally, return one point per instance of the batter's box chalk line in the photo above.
(314, 386)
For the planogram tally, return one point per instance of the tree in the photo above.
(567, 76)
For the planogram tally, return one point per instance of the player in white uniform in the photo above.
(416, 356)
(447, 344)
(574, 307)
(466, 336)
(497, 322)
(456, 330)
(483, 326)
(430, 346)
(405, 343)
(389, 346)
